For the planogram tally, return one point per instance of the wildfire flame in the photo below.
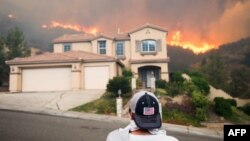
(76, 27)
(197, 48)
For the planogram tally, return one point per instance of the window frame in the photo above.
(146, 46)
(123, 49)
(102, 49)
(67, 47)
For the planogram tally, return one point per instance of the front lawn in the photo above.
(104, 105)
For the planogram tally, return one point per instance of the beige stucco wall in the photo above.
(81, 46)
(109, 46)
(148, 33)
(15, 79)
(58, 48)
(86, 46)
(77, 73)
(127, 53)
(77, 79)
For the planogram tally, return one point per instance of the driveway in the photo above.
(48, 100)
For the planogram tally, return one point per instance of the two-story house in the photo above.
(88, 61)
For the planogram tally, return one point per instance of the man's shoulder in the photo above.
(170, 138)
(117, 135)
(159, 137)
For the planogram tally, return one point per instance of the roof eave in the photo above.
(41, 62)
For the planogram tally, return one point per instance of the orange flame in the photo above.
(79, 28)
(197, 48)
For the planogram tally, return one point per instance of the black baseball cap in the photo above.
(145, 108)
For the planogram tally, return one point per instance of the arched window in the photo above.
(148, 46)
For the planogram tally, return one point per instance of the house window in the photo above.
(148, 46)
(66, 47)
(120, 48)
(102, 47)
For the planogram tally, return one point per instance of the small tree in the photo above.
(11, 46)
(161, 83)
(127, 73)
(177, 77)
(15, 43)
(3, 66)
(117, 83)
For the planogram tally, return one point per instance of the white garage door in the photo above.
(46, 79)
(96, 77)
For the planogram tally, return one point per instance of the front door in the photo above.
(147, 73)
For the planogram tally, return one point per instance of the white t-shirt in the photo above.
(159, 137)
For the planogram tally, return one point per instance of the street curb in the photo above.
(96, 117)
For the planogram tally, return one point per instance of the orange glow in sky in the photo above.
(76, 27)
(197, 48)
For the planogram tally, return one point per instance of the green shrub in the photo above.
(189, 87)
(201, 114)
(246, 108)
(202, 84)
(232, 102)
(127, 73)
(223, 107)
(174, 89)
(199, 100)
(117, 83)
(176, 77)
(194, 74)
(161, 83)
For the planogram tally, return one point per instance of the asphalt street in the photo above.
(19, 126)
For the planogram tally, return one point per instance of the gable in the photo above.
(148, 26)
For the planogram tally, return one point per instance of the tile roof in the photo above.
(71, 56)
(87, 37)
(74, 38)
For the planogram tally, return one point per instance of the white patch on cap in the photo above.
(148, 111)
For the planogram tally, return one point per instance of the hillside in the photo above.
(235, 54)
(228, 68)
(181, 59)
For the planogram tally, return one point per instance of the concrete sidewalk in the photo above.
(57, 104)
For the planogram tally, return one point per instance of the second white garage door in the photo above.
(46, 79)
(96, 77)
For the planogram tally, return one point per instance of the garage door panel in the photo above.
(96, 77)
(46, 79)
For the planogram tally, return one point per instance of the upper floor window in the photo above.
(66, 47)
(102, 47)
(148, 46)
(120, 48)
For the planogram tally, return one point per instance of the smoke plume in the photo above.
(198, 21)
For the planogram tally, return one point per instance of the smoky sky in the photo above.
(219, 21)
